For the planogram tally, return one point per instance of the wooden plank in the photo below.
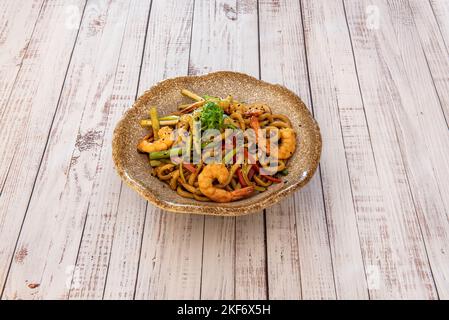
(105, 216)
(170, 261)
(440, 9)
(435, 50)
(125, 249)
(400, 102)
(170, 265)
(26, 120)
(297, 238)
(60, 201)
(326, 52)
(250, 259)
(225, 38)
(17, 24)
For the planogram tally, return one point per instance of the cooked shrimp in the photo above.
(220, 173)
(257, 109)
(164, 142)
(287, 143)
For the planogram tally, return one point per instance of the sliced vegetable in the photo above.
(251, 172)
(259, 188)
(230, 126)
(207, 97)
(241, 179)
(248, 156)
(191, 95)
(275, 180)
(181, 174)
(192, 107)
(261, 182)
(196, 137)
(165, 154)
(148, 122)
(245, 176)
(154, 122)
(229, 156)
(169, 118)
(189, 167)
(155, 163)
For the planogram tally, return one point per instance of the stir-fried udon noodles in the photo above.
(218, 149)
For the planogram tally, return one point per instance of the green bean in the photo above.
(164, 154)
(155, 163)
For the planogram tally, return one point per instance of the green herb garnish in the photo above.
(211, 116)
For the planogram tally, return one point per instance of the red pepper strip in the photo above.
(241, 180)
(275, 180)
(249, 156)
(189, 167)
(251, 172)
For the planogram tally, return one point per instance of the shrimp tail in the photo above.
(241, 193)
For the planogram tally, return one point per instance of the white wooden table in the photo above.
(373, 222)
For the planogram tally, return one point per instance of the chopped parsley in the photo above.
(211, 116)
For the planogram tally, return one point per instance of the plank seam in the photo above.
(428, 65)
(7, 172)
(360, 89)
(265, 235)
(439, 27)
(191, 37)
(235, 255)
(112, 244)
(418, 220)
(77, 254)
(202, 259)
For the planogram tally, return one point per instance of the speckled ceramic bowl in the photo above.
(134, 168)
